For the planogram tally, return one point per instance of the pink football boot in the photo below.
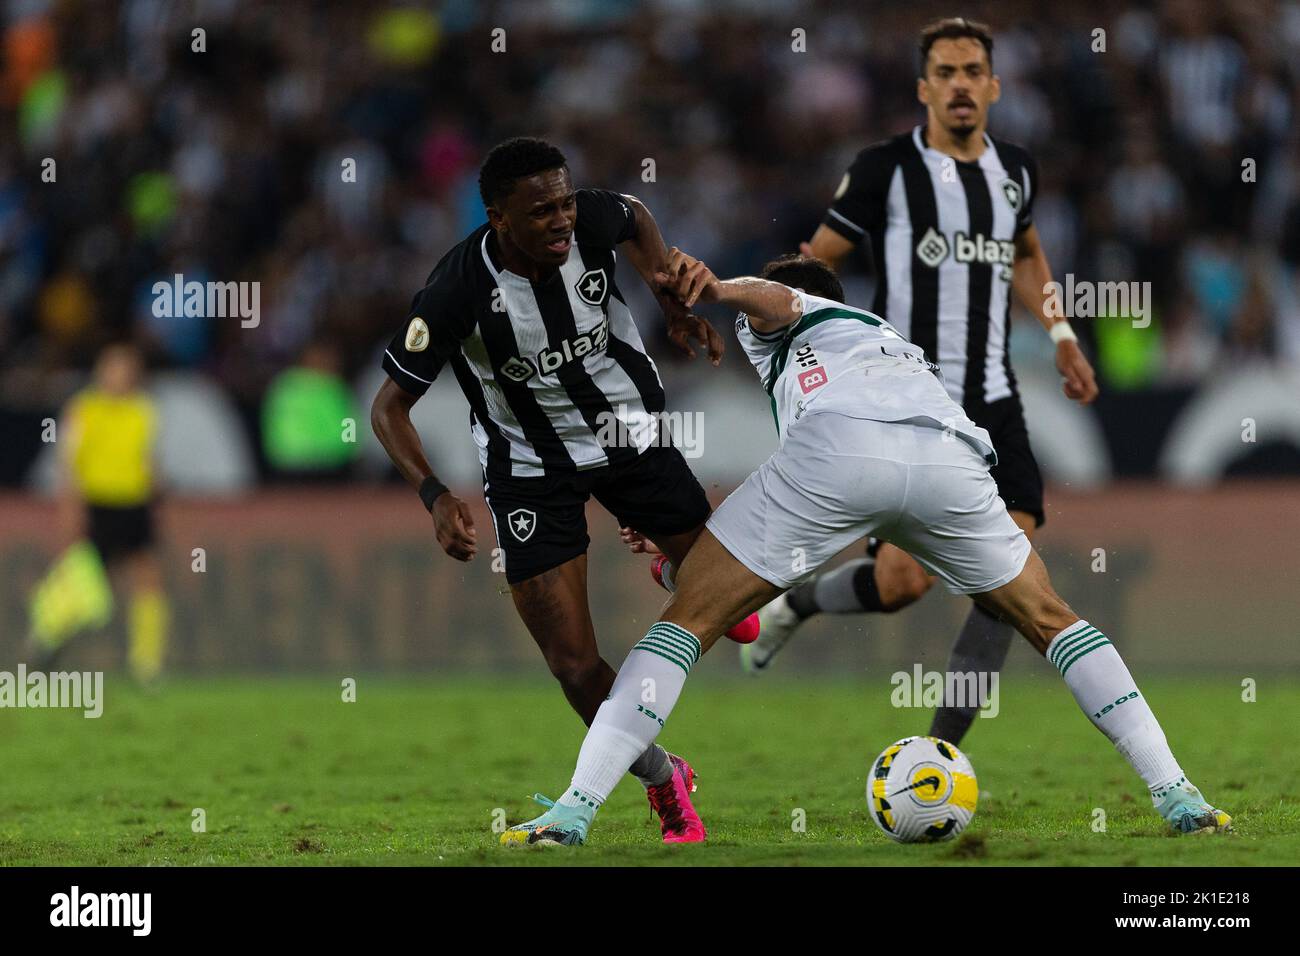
(678, 820)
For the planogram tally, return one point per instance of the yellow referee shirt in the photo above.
(112, 462)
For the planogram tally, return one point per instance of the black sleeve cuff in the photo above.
(408, 381)
(838, 223)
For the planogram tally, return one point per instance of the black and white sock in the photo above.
(981, 648)
(849, 589)
(653, 767)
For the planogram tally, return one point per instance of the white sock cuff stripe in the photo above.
(1076, 641)
(1065, 635)
(680, 632)
(1058, 643)
(671, 642)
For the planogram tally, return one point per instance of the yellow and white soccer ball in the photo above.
(922, 790)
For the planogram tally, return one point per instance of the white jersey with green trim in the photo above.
(850, 361)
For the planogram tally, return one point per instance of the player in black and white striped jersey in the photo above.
(948, 212)
(562, 398)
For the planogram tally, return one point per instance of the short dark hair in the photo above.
(513, 160)
(805, 272)
(954, 28)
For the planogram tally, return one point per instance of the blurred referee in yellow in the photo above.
(106, 496)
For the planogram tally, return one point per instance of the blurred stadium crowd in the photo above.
(226, 164)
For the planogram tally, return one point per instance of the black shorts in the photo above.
(120, 532)
(1020, 483)
(542, 522)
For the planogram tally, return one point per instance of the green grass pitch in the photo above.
(418, 771)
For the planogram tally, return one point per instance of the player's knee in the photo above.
(574, 671)
(903, 586)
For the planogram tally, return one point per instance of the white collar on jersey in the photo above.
(988, 159)
(497, 274)
(492, 266)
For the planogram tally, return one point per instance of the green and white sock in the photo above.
(1106, 692)
(644, 693)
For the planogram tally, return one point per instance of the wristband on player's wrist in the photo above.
(430, 489)
(1062, 332)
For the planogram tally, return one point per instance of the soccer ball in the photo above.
(922, 790)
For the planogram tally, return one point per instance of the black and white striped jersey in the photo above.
(546, 367)
(942, 239)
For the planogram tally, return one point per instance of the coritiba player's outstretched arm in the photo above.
(769, 305)
(649, 256)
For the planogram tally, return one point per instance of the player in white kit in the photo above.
(871, 443)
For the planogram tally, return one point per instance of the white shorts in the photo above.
(837, 479)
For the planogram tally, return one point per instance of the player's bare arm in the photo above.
(769, 305)
(649, 255)
(828, 246)
(1031, 275)
(390, 417)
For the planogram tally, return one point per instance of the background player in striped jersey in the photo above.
(948, 211)
(527, 312)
